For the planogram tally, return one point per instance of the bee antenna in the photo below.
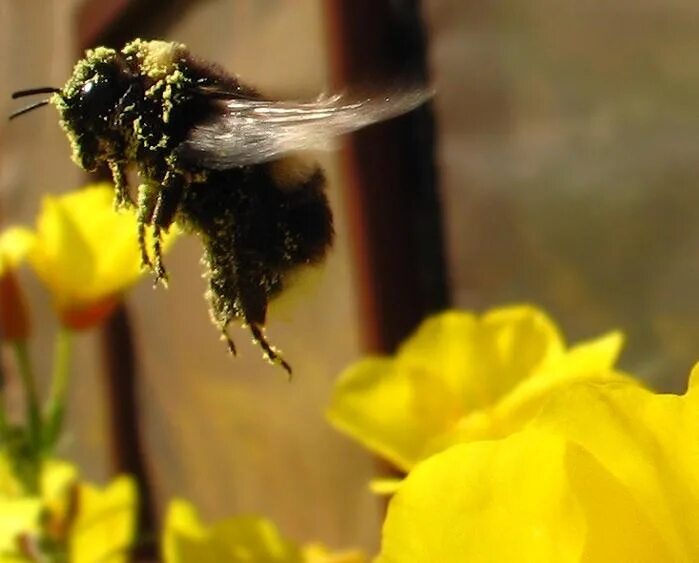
(28, 108)
(32, 91)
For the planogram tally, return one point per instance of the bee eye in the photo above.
(97, 98)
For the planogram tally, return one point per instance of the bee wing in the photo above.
(255, 131)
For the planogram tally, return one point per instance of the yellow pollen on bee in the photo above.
(158, 58)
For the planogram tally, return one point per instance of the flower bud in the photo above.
(14, 315)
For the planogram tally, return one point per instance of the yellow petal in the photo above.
(386, 486)
(515, 342)
(61, 257)
(485, 501)
(371, 403)
(532, 496)
(694, 378)
(17, 517)
(241, 540)
(85, 251)
(318, 553)
(104, 528)
(618, 527)
(185, 538)
(650, 442)
(590, 361)
(15, 244)
(460, 377)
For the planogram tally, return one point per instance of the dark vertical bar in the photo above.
(128, 451)
(394, 208)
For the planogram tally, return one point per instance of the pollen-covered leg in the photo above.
(229, 342)
(166, 206)
(146, 205)
(270, 352)
(158, 266)
(121, 197)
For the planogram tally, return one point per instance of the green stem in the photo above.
(55, 406)
(26, 374)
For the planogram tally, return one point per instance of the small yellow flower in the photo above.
(237, 540)
(21, 513)
(105, 525)
(74, 521)
(242, 539)
(607, 472)
(85, 253)
(461, 377)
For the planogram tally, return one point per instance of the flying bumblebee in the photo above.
(213, 155)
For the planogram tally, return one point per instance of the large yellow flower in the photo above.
(85, 252)
(236, 540)
(607, 472)
(461, 377)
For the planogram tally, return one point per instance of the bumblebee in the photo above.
(215, 156)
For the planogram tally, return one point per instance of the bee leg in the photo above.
(158, 266)
(252, 307)
(166, 205)
(146, 205)
(269, 350)
(229, 342)
(121, 198)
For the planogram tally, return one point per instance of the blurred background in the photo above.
(556, 165)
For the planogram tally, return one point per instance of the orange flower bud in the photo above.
(83, 318)
(14, 317)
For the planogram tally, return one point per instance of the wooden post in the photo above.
(394, 209)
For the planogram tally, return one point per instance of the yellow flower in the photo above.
(105, 525)
(607, 472)
(79, 520)
(461, 377)
(243, 539)
(236, 540)
(85, 253)
(21, 513)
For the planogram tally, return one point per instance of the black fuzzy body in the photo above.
(136, 108)
(254, 235)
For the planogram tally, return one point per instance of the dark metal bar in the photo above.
(393, 203)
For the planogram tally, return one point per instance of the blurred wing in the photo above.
(255, 131)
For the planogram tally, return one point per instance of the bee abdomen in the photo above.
(306, 221)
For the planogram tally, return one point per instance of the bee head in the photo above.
(89, 106)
